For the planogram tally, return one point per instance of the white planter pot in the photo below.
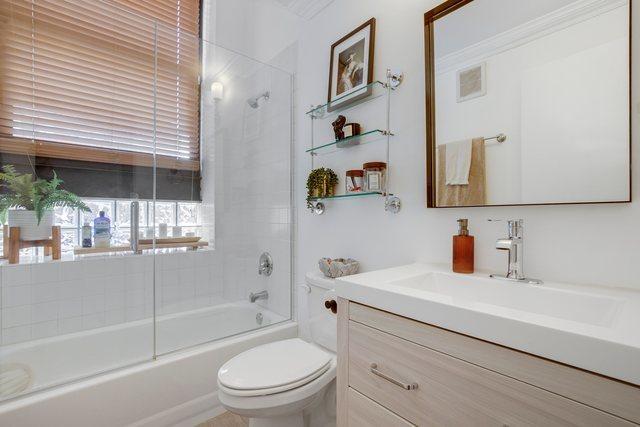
(28, 223)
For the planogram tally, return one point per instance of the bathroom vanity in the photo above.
(418, 345)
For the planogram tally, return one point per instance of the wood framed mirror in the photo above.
(528, 103)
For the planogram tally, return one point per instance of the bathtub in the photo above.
(178, 387)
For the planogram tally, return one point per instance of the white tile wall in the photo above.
(55, 298)
(250, 150)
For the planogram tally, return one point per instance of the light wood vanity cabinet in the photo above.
(394, 371)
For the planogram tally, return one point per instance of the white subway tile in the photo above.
(44, 329)
(94, 286)
(134, 313)
(44, 311)
(69, 325)
(92, 304)
(16, 316)
(45, 272)
(71, 289)
(45, 292)
(115, 316)
(134, 281)
(92, 321)
(16, 335)
(135, 298)
(16, 295)
(71, 307)
(72, 270)
(92, 268)
(15, 275)
(115, 284)
(114, 300)
(186, 277)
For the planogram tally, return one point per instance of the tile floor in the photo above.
(226, 420)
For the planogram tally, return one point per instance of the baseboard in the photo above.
(188, 414)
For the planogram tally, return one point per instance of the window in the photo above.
(185, 214)
(101, 82)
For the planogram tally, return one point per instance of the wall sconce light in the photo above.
(217, 90)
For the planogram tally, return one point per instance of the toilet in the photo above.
(289, 383)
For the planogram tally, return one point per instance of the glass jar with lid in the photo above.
(375, 174)
(354, 182)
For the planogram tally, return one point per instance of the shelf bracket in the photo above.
(318, 208)
(392, 204)
(395, 78)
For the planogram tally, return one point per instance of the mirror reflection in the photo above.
(530, 103)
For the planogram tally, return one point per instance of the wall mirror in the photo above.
(528, 102)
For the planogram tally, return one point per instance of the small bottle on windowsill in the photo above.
(463, 255)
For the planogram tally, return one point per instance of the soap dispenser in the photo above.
(463, 249)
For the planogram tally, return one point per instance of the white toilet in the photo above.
(289, 383)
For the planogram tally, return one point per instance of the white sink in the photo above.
(590, 327)
(593, 309)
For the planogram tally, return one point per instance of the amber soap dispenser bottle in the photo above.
(463, 249)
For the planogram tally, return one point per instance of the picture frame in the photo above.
(351, 66)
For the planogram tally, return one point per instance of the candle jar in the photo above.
(354, 183)
(375, 174)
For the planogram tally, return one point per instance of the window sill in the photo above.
(70, 257)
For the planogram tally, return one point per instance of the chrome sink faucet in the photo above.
(513, 244)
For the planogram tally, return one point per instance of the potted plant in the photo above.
(320, 183)
(28, 203)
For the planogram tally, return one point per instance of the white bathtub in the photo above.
(180, 386)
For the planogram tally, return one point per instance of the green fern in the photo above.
(22, 191)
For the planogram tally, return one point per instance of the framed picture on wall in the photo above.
(351, 66)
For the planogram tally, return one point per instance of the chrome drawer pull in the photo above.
(374, 370)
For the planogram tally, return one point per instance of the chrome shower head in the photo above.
(253, 102)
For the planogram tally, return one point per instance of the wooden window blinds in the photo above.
(111, 82)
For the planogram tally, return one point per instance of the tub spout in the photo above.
(253, 297)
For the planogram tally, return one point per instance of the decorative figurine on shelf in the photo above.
(337, 127)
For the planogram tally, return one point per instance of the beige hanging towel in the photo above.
(472, 194)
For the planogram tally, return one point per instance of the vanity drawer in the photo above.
(364, 412)
(615, 397)
(451, 391)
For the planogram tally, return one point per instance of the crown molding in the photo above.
(306, 9)
(536, 28)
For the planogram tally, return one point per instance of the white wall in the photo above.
(582, 244)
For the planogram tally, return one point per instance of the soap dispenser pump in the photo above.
(463, 249)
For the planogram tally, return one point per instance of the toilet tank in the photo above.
(316, 323)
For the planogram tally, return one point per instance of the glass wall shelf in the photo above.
(370, 92)
(348, 196)
(352, 140)
(363, 95)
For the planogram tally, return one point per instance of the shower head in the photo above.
(253, 102)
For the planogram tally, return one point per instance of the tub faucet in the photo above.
(253, 297)
(513, 244)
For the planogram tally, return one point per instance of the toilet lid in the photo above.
(274, 365)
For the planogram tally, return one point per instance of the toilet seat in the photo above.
(273, 368)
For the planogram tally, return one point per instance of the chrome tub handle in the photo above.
(405, 386)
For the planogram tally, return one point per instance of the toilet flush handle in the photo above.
(331, 305)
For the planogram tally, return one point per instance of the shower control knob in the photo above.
(331, 305)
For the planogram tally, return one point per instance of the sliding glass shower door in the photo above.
(128, 111)
(78, 105)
